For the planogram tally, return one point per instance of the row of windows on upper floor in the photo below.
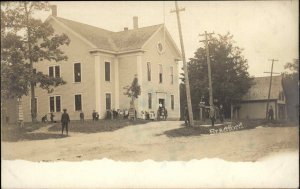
(54, 71)
(55, 102)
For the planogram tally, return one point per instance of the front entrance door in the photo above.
(161, 101)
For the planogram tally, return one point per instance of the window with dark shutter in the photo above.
(78, 106)
(107, 71)
(172, 102)
(108, 101)
(160, 74)
(51, 104)
(77, 72)
(58, 107)
(149, 71)
(149, 100)
(51, 72)
(57, 71)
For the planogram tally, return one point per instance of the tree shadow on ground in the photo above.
(33, 136)
(184, 132)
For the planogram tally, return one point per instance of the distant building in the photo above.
(101, 63)
(254, 103)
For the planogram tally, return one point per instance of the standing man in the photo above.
(51, 117)
(271, 113)
(212, 115)
(81, 116)
(65, 120)
(94, 115)
(186, 116)
(221, 113)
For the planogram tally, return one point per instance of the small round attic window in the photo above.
(160, 48)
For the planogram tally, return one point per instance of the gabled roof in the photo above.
(112, 41)
(260, 89)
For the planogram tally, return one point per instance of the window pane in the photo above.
(77, 102)
(149, 100)
(108, 101)
(51, 73)
(172, 102)
(58, 107)
(149, 71)
(77, 72)
(57, 71)
(160, 74)
(107, 71)
(51, 104)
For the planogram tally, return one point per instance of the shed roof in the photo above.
(260, 89)
(113, 41)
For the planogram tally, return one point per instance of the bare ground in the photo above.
(153, 141)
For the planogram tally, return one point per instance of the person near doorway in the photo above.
(65, 120)
(271, 113)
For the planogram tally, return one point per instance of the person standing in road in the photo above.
(65, 120)
(94, 115)
(186, 116)
(271, 113)
(221, 113)
(81, 116)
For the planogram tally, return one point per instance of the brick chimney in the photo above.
(135, 22)
(54, 10)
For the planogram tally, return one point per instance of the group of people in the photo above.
(213, 112)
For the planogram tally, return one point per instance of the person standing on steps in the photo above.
(65, 120)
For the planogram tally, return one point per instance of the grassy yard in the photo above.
(98, 126)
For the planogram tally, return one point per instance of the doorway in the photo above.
(161, 101)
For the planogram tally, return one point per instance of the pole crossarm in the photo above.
(177, 10)
(273, 72)
(208, 63)
(270, 86)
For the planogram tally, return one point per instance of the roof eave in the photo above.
(95, 50)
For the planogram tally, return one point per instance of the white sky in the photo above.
(264, 29)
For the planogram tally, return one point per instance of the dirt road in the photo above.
(148, 141)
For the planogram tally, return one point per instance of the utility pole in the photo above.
(273, 60)
(187, 83)
(211, 103)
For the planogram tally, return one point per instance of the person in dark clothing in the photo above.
(65, 120)
(271, 113)
(81, 116)
(51, 117)
(186, 116)
(94, 115)
(221, 113)
(212, 115)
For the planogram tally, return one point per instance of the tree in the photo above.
(230, 78)
(291, 89)
(133, 91)
(24, 42)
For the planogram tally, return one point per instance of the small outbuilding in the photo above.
(254, 104)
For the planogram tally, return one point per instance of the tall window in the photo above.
(77, 72)
(54, 71)
(160, 74)
(78, 105)
(172, 76)
(107, 71)
(108, 101)
(55, 104)
(172, 102)
(149, 100)
(149, 71)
